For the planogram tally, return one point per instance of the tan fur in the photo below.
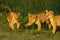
(55, 20)
(37, 19)
(12, 18)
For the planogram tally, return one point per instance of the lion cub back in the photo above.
(57, 19)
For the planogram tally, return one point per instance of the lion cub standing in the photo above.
(12, 18)
(37, 19)
(54, 20)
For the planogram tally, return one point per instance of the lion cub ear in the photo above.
(52, 12)
(29, 14)
(19, 13)
(46, 11)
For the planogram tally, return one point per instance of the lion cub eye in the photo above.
(30, 16)
(33, 17)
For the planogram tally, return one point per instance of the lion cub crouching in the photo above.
(12, 18)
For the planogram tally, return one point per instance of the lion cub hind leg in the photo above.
(18, 25)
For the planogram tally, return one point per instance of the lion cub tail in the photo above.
(7, 7)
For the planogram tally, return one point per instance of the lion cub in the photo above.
(54, 20)
(37, 19)
(12, 18)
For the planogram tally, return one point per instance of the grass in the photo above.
(29, 35)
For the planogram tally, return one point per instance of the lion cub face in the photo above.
(31, 19)
(49, 14)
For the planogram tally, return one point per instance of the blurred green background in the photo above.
(34, 6)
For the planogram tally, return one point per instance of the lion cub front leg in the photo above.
(38, 24)
(53, 23)
(11, 25)
(18, 25)
(54, 28)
